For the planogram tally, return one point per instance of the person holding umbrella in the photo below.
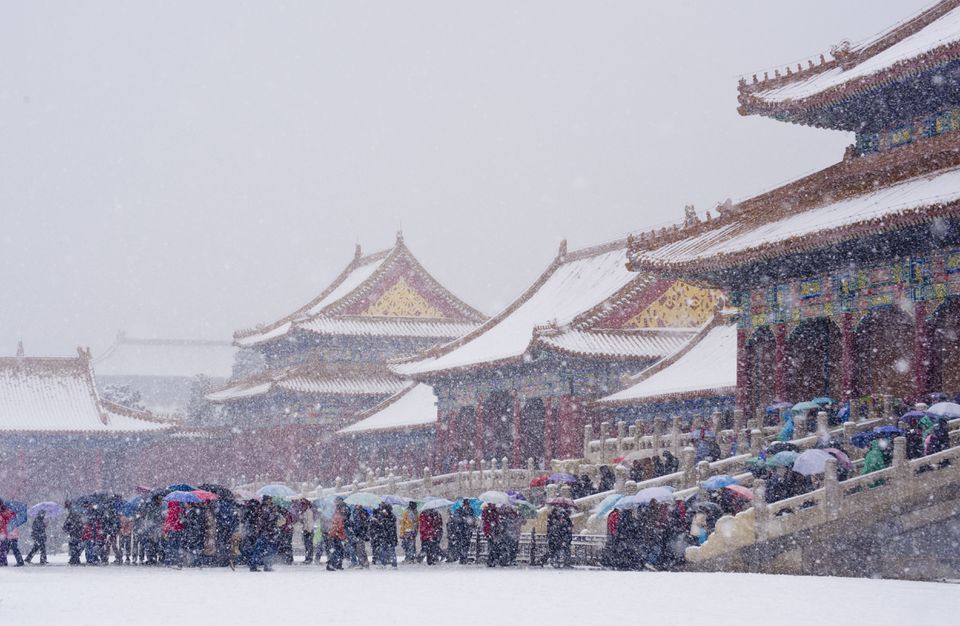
(409, 528)
(38, 532)
(6, 514)
(73, 526)
(559, 536)
(337, 535)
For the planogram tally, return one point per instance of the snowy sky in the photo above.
(183, 169)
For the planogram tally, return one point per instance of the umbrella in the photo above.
(805, 406)
(515, 495)
(888, 430)
(436, 503)
(540, 481)
(938, 396)
(182, 496)
(740, 491)
(719, 482)
(20, 509)
(912, 416)
(781, 446)
(526, 509)
(50, 509)
(129, 508)
(564, 502)
(206, 496)
(275, 491)
(396, 500)
(496, 497)
(811, 462)
(783, 459)
(220, 490)
(363, 498)
(606, 505)
(645, 496)
(180, 487)
(476, 507)
(776, 406)
(842, 459)
(944, 409)
(706, 507)
(561, 477)
(822, 401)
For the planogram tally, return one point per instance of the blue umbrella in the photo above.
(607, 504)
(719, 482)
(476, 506)
(180, 487)
(844, 413)
(21, 513)
(276, 491)
(515, 495)
(888, 430)
(396, 500)
(50, 509)
(776, 406)
(182, 496)
(822, 401)
(129, 509)
(913, 415)
(805, 406)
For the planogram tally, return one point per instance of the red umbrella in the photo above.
(564, 502)
(618, 460)
(540, 481)
(206, 496)
(740, 491)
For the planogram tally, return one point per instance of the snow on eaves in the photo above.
(413, 407)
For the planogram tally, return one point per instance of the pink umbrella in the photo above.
(206, 496)
(741, 491)
(842, 459)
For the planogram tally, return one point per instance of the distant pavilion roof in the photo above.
(58, 395)
(335, 379)
(414, 407)
(130, 356)
(387, 293)
(705, 367)
(805, 94)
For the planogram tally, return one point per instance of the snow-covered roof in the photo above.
(926, 40)
(319, 379)
(386, 327)
(705, 367)
(638, 344)
(573, 284)
(353, 294)
(59, 395)
(166, 358)
(413, 407)
(775, 230)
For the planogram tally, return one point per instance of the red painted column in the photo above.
(98, 469)
(921, 351)
(479, 435)
(548, 426)
(780, 367)
(846, 355)
(744, 375)
(516, 430)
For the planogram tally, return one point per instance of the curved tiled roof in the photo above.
(314, 378)
(413, 407)
(632, 344)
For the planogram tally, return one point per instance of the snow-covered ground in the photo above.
(451, 594)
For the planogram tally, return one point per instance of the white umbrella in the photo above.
(496, 497)
(945, 409)
(645, 496)
(438, 503)
(813, 461)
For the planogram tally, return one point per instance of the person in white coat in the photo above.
(308, 525)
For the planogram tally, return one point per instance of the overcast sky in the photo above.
(184, 169)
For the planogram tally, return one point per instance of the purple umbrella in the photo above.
(515, 495)
(560, 477)
(50, 509)
(182, 496)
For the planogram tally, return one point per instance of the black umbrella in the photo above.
(220, 490)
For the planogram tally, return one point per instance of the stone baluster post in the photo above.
(470, 475)
(505, 472)
(587, 438)
(531, 468)
(703, 473)
(659, 424)
(823, 426)
(370, 478)
(630, 487)
(566, 492)
(604, 433)
(391, 483)
(427, 479)
(337, 484)
(716, 421)
(887, 416)
(551, 491)
(675, 436)
(620, 476)
(687, 458)
(632, 431)
(760, 509)
(831, 491)
(621, 433)
(739, 423)
(756, 442)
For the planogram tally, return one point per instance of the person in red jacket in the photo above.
(431, 532)
(6, 514)
(173, 534)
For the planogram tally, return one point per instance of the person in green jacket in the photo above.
(874, 461)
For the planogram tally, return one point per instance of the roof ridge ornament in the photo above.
(357, 251)
(562, 252)
(20, 348)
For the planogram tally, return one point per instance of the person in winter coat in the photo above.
(6, 514)
(786, 433)
(73, 527)
(431, 533)
(490, 521)
(511, 527)
(249, 545)
(360, 524)
(228, 521)
(874, 460)
(607, 479)
(465, 526)
(194, 533)
(626, 541)
(336, 536)
(938, 437)
(172, 531)
(308, 526)
(409, 528)
(559, 537)
(268, 532)
(671, 464)
(384, 529)
(12, 544)
(38, 532)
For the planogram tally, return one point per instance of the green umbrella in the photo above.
(805, 406)
(783, 459)
(364, 499)
(526, 509)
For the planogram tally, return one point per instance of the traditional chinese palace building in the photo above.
(519, 385)
(847, 280)
(318, 369)
(59, 438)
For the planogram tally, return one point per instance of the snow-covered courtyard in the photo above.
(465, 596)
